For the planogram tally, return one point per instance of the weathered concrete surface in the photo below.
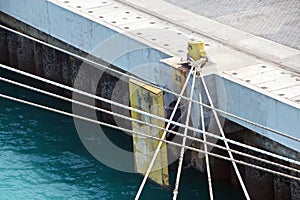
(275, 20)
(45, 69)
(240, 49)
(35, 58)
(260, 185)
(237, 45)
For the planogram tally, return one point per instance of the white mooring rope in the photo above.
(147, 136)
(175, 191)
(146, 123)
(154, 116)
(226, 143)
(209, 180)
(163, 138)
(138, 79)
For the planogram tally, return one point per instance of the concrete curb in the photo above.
(267, 50)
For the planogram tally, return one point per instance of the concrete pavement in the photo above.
(275, 20)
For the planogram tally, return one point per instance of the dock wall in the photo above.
(29, 56)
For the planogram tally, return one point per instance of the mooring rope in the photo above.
(209, 180)
(226, 143)
(146, 123)
(175, 191)
(145, 82)
(157, 117)
(163, 138)
(147, 136)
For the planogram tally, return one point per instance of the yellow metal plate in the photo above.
(148, 99)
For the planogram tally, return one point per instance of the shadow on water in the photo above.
(42, 157)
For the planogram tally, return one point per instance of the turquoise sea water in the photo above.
(42, 157)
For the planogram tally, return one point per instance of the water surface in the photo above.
(42, 157)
